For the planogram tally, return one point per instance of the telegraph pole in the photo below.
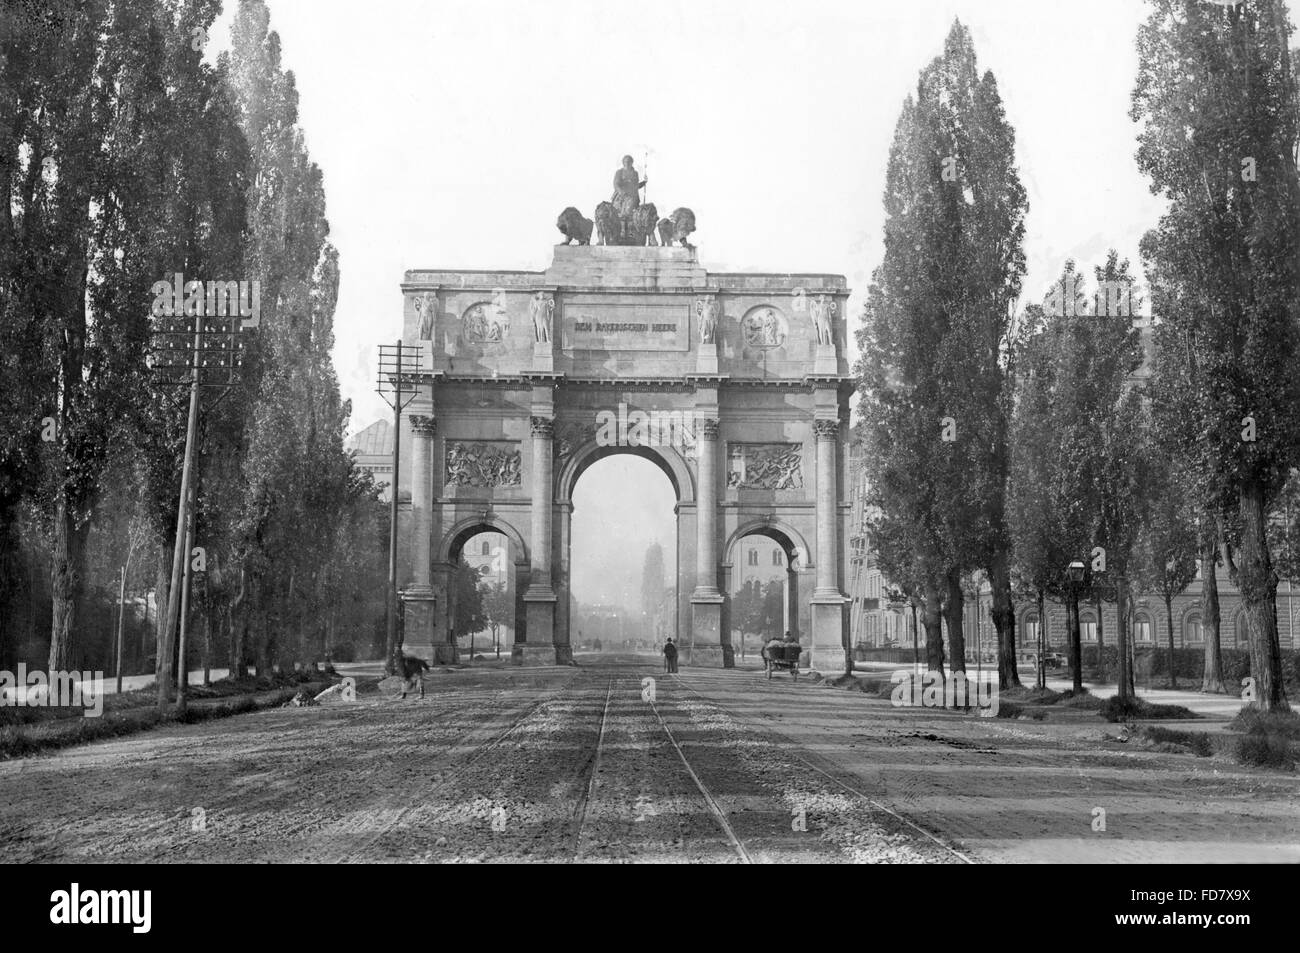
(398, 364)
(177, 361)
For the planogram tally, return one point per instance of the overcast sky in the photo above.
(451, 133)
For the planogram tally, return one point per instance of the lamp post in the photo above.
(1074, 574)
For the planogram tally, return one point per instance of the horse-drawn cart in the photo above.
(779, 658)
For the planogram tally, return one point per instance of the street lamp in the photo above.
(1074, 574)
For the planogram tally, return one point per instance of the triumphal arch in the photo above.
(734, 384)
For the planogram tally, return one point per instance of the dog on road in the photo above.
(413, 670)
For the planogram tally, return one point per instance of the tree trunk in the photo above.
(954, 604)
(1169, 625)
(1004, 619)
(1258, 586)
(162, 594)
(933, 628)
(66, 574)
(1076, 643)
(1101, 640)
(1212, 678)
(207, 646)
(1125, 687)
(1040, 673)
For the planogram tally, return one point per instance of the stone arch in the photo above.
(780, 532)
(667, 459)
(790, 540)
(472, 525)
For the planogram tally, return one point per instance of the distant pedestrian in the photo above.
(670, 656)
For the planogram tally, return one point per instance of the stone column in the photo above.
(422, 431)
(827, 601)
(560, 578)
(706, 644)
(421, 636)
(706, 518)
(539, 649)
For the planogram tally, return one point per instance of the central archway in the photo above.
(618, 565)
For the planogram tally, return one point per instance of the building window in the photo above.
(1242, 630)
(1142, 629)
(1087, 629)
(776, 557)
(487, 548)
(1192, 631)
(1031, 629)
(753, 557)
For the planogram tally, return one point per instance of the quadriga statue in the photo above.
(676, 227)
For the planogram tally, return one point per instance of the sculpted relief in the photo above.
(764, 327)
(483, 464)
(486, 323)
(765, 466)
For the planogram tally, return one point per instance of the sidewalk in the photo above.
(1211, 706)
(132, 683)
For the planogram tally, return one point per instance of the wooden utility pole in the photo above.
(395, 363)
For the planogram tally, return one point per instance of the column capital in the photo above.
(708, 428)
(543, 427)
(423, 425)
(826, 429)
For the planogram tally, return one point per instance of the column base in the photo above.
(539, 612)
(527, 654)
(828, 630)
(707, 656)
(705, 646)
(420, 638)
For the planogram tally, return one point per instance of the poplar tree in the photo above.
(1216, 99)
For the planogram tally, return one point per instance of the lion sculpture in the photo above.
(574, 227)
(676, 227)
(607, 224)
(643, 222)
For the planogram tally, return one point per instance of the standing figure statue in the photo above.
(627, 189)
(543, 308)
(823, 309)
(707, 310)
(424, 314)
(626, 199)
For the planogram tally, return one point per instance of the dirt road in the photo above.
(587, 764)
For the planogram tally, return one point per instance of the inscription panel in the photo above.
(626, 326)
